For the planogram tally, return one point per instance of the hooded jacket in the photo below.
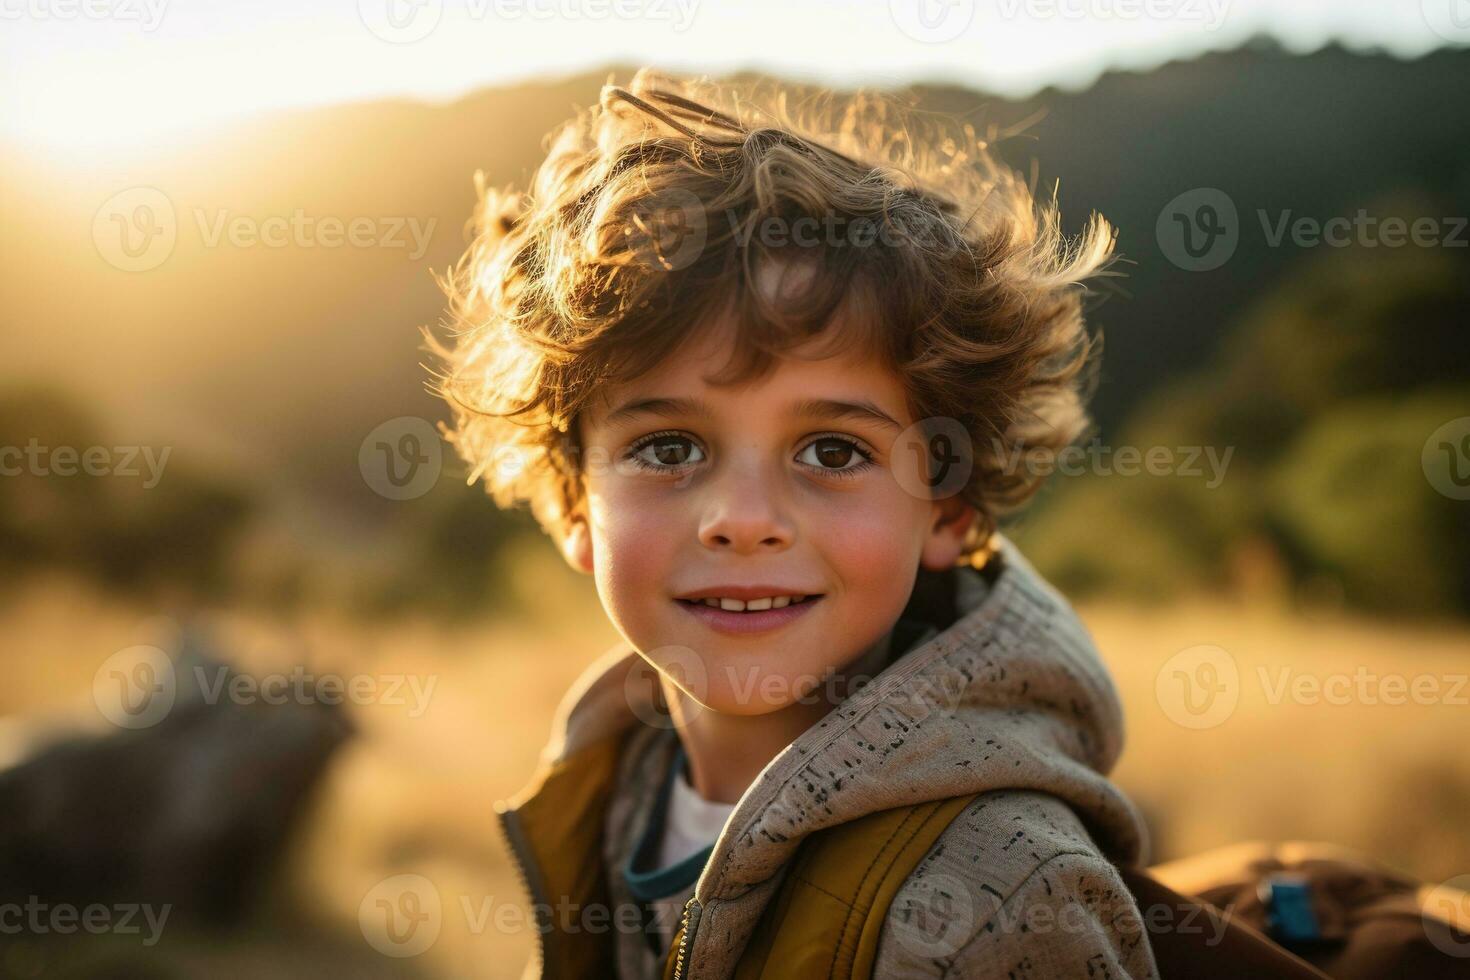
(992, 687)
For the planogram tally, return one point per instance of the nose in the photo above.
(746, 514)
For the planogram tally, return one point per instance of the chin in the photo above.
(748, 690)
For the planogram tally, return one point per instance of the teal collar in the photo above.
(646, 882)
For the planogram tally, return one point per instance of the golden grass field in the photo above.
(414, 795)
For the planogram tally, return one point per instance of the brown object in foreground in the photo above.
(1368, 923)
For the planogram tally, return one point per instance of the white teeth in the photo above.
(753, 605)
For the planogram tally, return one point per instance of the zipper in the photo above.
(690, 923)
(520, 859)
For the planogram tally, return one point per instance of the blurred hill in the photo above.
(1325, 396)
(271, 364)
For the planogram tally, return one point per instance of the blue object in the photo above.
(1289, 914)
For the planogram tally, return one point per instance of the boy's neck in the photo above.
(726, 752)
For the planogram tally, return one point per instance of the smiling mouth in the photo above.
(752, 605)
(747, 621)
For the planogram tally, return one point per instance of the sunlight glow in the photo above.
(88, 76)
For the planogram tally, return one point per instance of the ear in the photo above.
(943, 545)
(576, 544)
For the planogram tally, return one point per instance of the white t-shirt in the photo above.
(691, 824)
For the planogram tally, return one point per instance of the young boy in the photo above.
(768, 389)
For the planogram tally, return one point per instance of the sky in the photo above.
(89, 76)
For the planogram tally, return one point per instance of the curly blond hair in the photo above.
(945, 265)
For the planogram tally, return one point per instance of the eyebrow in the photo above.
(812, 408)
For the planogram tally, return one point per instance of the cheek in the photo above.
(633, 553)
(870, 540)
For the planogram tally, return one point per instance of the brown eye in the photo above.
(834, 455)
(672, 452)
(667, 452)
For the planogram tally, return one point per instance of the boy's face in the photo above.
(752, 491)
